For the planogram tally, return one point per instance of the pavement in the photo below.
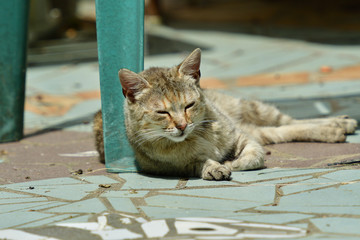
(54, 187)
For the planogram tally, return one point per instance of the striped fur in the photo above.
(178, 129)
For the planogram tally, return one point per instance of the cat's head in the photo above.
(165, 102)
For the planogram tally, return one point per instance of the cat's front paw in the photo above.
(216, 172)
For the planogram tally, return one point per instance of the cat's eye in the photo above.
(163, 112)
(190, 105)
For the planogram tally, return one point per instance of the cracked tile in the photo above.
(18, 218)
(67, 192)
(138, 181)
(307, 185)
(76, 218)
(46, 221)
(123, 205)
(26, 206)
(285, 181)
(93, 205)
(197, 182)
(351, 210)
(344, 175)
(54, 181)
(271, 174)
(9, 195)
(346, 195)
(99, 179)
(256, 194)
(165, 212)
(124, 194)
(211, 204)
(338, 225)
(276, 218)
(22, 200)
(299, 225)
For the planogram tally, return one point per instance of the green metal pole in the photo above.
(13, 39)
(120, 37)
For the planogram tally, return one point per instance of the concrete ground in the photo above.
(53, 187)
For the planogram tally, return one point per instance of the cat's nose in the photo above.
(181, 126)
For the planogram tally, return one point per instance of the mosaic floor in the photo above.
(270, 203)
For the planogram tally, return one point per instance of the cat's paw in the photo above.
(345, 122)
(332, 134)
(246, 163)
(216, 172)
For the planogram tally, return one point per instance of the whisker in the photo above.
(146, 135)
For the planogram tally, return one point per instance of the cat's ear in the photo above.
(132, 84)
(191, 65)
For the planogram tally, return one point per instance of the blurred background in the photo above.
(303, 56)
(65, 30)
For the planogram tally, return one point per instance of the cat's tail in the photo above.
(99, 137)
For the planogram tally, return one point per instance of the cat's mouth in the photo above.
(178, 135)
(178, 138)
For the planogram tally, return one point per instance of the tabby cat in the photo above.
(177, 128)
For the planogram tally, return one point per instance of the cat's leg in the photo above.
(299, 133)
(248, 155)
(344, 122)
(212, 170)
(261, 114)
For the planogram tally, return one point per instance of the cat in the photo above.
(176, 128)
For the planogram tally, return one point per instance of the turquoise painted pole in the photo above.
(13, 39)
(120, 37)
